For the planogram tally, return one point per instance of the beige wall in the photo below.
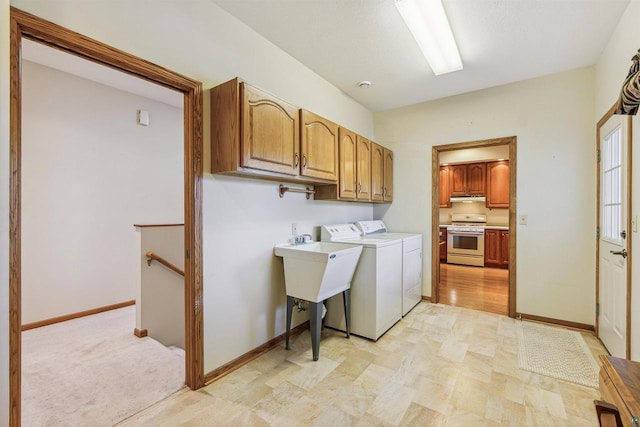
(89, 172)
(4, 212)
(553, 120)
(243, 286)
(611, 69)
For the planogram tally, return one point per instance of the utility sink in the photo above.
(318, 270)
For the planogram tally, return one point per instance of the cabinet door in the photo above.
(476, 178)
(445, 187)
(492, 247)
(270, 132)
(388, 176)
(458, 180)
(498, 184)
(377, 172)
(363, 170)
(347, 180)
(442, 241)
(504, 248)
(319, 147)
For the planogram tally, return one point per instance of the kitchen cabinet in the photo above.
(445, 187)
(496, 248)
(318, 146)
(354, 182)
(377, 172)
(348, 163)
(363, 169)
(387, 190)
(254, 133)
(442, 242)
(498, 184)
(468, 179)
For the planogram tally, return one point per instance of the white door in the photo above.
(613, 239)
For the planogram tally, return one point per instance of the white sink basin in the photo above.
(318, 270)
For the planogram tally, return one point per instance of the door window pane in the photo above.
(611, 182)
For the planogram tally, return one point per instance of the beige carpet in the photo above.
(556, 352)
(94, 372)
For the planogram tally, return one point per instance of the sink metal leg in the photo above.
(315, 320)
(346, 299)
(289, 313)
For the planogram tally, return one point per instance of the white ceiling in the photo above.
(500, 41)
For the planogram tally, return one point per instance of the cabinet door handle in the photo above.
(297, 161)
(304, 161)
(359, 187)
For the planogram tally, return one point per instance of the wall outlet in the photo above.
(522, 219)
(294, 229)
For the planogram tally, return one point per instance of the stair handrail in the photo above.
(153, 257)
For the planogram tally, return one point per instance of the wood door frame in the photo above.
(435, 212)
(30, 26)
(599, 125)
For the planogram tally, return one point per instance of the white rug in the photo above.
(93, 371)
(556, 352)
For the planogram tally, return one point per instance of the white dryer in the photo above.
(411, 260)
(376, 288)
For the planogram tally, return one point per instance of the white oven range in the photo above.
(465, 239)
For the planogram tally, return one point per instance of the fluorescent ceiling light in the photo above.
(428, 23)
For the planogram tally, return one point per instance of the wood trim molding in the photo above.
(15, 236)
(77, 315)
(30, 26)
(140, 333)
(559, 322)
(511, 141)
(238, 362)
(426, 298)
(157, 225)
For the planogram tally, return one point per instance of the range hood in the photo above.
(468, 199)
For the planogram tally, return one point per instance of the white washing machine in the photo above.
(376, 288)
(411, 260)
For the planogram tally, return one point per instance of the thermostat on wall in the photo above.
(143, 117)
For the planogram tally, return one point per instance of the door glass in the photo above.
(612, 186)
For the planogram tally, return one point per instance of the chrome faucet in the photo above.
(301, 239)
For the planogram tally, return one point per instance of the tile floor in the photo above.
(439, 366)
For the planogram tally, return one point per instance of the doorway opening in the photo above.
(481, 273)
(24, 25)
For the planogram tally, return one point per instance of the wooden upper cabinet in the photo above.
(254, 133)
(468, 179)
(319, 146)
(270, 138)
(498, 184)
(377, 172)
(363, 169)
(458, 180)
(388, 176)
(476, 179)
(348, 154)
(445, 187)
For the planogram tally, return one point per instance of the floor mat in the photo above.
(556, 352)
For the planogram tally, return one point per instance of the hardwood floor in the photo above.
(479, 288)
